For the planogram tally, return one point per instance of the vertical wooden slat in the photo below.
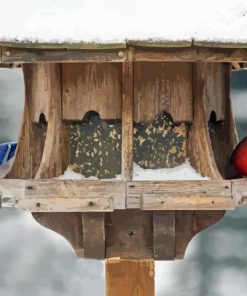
(129, 277)
(199, 145)
(31, 136)
(164, 235)
(127, 121)
(94, 235)
(51, 163)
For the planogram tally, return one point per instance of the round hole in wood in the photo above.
(42, 120)
(131, 233)
(90, 114)
(213, 117)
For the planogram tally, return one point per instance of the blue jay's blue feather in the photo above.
(7, 151)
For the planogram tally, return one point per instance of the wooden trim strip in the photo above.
(65, 46)
(34, 55)
(51, 195)
(133, 52)
(127, 120)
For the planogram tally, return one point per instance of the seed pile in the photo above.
(95, 145)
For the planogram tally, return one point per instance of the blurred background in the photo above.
(37, 261)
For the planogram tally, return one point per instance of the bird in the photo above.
(7, 152)
(239, 158)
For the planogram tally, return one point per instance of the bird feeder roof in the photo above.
(112, 24)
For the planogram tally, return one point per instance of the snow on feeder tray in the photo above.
(98, 111)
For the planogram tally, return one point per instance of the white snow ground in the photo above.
(113, 21)
(182, 172)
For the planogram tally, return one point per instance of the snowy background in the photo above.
(36, 261)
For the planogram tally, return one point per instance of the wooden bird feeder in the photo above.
(98, 109)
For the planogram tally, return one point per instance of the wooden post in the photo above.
(129, 277)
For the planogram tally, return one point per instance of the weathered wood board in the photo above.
(94, 235)
(164, 235)
(91, 87)
(162, 87)
(129, 234)
(39, 55)
(127, 120)
(129, 277)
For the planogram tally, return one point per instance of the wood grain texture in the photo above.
(189, 195)
(127, 120)
(69, 225)
(51, 162)
(215, 96)
(189, 223)
(34, 55)
(201, 195)
(72, 195)
(164, 235)
(199, 145)
(129, 234)
(129, 277)
(239, 191)
(190, 54)
(223, 135)
(18, 54)
(94, 235)
(41, 90)
(162, 87)
(91, 87)
(31, 136)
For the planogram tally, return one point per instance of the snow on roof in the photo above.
(182, 172)
(114, 21)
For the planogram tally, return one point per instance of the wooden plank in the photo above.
(69, 225)
(215, 96)
(129, 277)
(70, 195)
(51, 162)
(200, 150)
(160, 44)
(127, 121)
(223, 135)
(164, 235)
(32, 55)
(191, 54)
(198, 195)
(10, 190)
(40, 83)
(129, 234)
(189, 223)
(31, 138)
(162, 87)
(219, 44)
(152, 195)
(91, 87)
(12, 54)
(94, 235)
(63, 45)
(239, 192)
(196, 202)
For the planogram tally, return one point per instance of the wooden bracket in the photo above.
(94, 235)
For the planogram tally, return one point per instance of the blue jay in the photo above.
(7, 152)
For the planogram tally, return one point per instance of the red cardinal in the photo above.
(239, 157)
